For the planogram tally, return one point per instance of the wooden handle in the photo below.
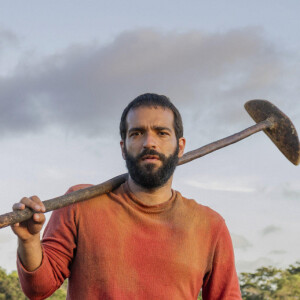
(65, 200)
(102, 188)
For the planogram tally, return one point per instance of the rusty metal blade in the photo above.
(283, 134)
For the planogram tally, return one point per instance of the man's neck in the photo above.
(153, 196)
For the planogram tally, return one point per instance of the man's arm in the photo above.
(222, 281)
(43, 266)
(28, 232)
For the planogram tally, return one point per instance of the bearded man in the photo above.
(141, 241)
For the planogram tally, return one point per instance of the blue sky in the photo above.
(68, 68)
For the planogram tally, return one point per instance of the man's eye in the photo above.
(162, 133)
(135, 133)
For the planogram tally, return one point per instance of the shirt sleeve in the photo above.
(58, 246)
(222, 281)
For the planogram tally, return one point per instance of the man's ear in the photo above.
(181, 144)
(122, 144)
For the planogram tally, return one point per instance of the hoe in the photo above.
(268, 118)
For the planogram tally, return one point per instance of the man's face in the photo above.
(151, 149)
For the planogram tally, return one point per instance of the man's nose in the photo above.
(150, 141)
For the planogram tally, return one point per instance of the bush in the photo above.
(10, 288)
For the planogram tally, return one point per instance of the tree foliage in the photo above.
(271, 283)
(265, 283)
(10, 288)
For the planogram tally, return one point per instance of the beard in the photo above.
(145, 175)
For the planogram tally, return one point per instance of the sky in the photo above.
(69, 68)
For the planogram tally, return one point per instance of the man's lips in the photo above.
(150, 158)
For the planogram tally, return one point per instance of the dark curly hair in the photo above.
(152, 100)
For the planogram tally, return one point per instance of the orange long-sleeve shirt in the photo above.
(114, 247)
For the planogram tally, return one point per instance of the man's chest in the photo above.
(133, 254)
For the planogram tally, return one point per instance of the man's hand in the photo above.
(31, 228)
(28, 232)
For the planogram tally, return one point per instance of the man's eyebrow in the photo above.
(158, 128)
(161, 128)
(136, 129)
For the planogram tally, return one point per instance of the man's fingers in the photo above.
(32, 202)
(18, 206)
(27, 229)
(27, 202)
(38, 206)
(39, 218)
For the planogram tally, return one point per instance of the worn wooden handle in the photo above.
(65, 200)
(102, 188)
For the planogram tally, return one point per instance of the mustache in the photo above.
(161, 156)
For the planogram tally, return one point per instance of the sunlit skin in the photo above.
(28, 232)
(152, 128)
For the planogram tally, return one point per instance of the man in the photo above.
(142, 240)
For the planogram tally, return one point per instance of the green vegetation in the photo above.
(271, 283)
(10, 288)
(268, 283)
(265, 283)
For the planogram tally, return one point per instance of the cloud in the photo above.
(84, 89)
(251, 266)
(277, 252)
(7, 38)
(240, 242)
(291, 192)
(270, 229)
(220, 186)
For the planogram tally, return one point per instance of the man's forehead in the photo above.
(150, 115)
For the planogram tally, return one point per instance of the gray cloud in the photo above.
(251, 266)
(290, 192)
(7, 38)
(84, 89)
(277, 252)
(240, 242)
(270, 229)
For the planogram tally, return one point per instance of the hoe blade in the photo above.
(283, 133)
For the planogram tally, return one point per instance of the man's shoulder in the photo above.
(93, 201)
(89, 202)
(201, 211)
(78, 187)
